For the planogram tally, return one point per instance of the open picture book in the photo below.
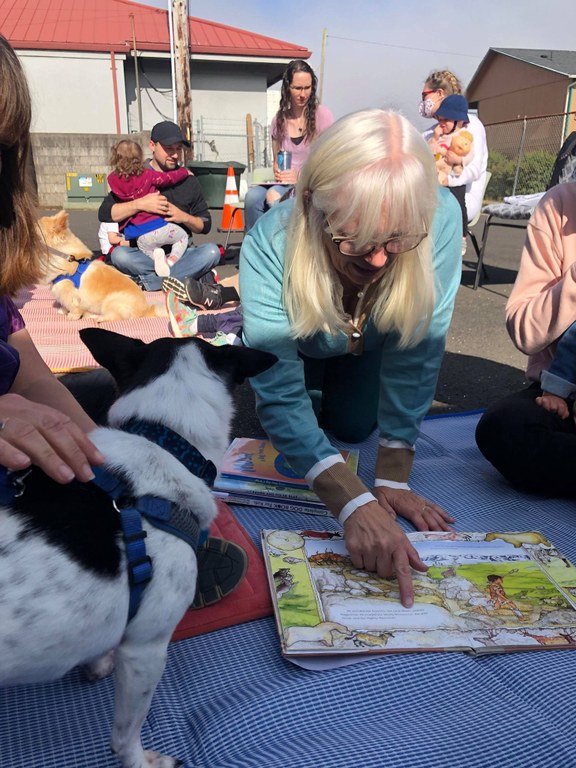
(254, 473)
(482, 593)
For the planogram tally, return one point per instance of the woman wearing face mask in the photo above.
(437, 87)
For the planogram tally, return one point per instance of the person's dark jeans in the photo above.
(533, 449)
(345, 391)
(460, 195)
(95, 391)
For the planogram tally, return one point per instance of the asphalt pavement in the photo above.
(480, 365)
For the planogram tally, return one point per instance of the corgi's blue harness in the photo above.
(77, 276)
(81, 267)
(159, 512)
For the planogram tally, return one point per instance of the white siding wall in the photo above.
(222, 96)
(73, 92)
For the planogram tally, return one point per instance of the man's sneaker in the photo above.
(183, 319)
(138, 280)
(221, 567)
(210, 277)
(194, 292)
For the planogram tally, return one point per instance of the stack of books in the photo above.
(254, 473)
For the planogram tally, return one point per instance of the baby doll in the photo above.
(459, 153)
(450, 142)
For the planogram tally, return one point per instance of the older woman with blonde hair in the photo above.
(352, 286)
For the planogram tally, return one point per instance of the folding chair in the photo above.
(472, 236)
(516, 215)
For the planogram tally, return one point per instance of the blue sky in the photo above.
(378, 52)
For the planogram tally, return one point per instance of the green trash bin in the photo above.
(212, 178)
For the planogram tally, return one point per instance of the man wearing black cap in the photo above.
(182, 204)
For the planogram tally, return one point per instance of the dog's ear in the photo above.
(239, 363)
(61, 221)
(119, 354)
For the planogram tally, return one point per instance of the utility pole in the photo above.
(322, 60)
(172, 70)
(182, 72)
(136, 73)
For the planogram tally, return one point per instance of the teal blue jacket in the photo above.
(408, 376)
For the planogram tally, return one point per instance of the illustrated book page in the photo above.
(482, 593)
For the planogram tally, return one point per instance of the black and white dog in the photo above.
(65, 595)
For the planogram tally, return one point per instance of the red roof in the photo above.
(106, 25)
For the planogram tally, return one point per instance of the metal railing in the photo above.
(522, 153)
(228, 140)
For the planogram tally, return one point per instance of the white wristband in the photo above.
(351, 507)
(392, 484)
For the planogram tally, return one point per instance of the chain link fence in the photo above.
(522, 153)
(242, 141)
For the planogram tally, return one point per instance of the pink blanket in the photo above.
(57, 339)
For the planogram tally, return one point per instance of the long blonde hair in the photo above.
(22, 254)
(367, 165)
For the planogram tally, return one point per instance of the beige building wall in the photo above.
(510, 89)
(54, 155)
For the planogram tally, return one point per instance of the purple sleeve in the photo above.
(15, 319)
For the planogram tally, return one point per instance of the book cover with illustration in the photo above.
(482, 593)
(254, 473)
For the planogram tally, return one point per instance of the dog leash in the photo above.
(65, 256)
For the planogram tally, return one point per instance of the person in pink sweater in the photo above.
(130, 180)
(299, 120)
(530, 442)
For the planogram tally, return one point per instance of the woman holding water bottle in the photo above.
(300, 118)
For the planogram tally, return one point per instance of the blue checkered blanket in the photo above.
(229, 700)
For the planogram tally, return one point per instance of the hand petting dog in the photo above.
(31, 433)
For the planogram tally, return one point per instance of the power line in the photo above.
(403, 47)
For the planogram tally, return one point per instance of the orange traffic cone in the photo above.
(232, 216)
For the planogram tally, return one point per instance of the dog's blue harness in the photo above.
(159, 512)
(83, 265)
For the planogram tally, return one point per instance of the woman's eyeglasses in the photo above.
(427, 93)
(394, 245)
